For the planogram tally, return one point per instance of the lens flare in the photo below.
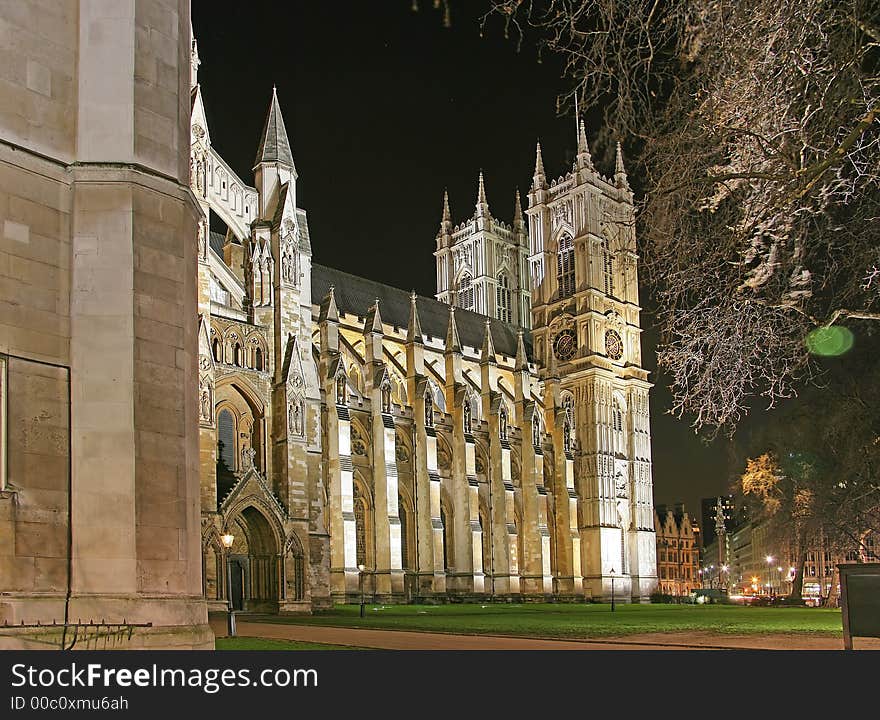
(829, 341)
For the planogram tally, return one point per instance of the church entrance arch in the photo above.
(254, 562)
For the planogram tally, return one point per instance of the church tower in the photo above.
(586, 335)
(482, 263)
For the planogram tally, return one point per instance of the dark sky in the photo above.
(386, 107)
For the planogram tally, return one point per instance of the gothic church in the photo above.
(190, 418)
(493, 442)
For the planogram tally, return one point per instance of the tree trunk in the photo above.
(797, 585)
(832, 600)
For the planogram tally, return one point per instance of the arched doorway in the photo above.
(254, 562)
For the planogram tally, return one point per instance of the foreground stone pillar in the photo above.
(116, 134)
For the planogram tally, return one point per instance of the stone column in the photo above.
(427, 520)
(562, 493)
(136, 549)
(344, 573)
(456, 401)
(388, 570)
(498, 481)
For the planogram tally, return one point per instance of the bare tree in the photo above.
(757, 132)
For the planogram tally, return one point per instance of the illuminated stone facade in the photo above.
(437, 444)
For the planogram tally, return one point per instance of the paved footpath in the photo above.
(411, 640)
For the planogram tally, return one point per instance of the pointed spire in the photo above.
(373, 321)
(584, 159)
(538, 181)
(488, 354)
(414, 331)
(619, 171)
(482, 205)
(517, 212)
(274, 144)
(446, 219)
(329, 311)
(522, 361)
(453, 343)
(539, 161)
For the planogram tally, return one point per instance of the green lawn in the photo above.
(577, 621)
(249, 643)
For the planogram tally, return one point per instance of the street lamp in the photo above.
(361, 569)
(770, 573)
(227, 541)
(612, 589)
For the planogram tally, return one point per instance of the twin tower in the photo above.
(569, 272)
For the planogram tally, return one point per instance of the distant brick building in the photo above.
(678, 552)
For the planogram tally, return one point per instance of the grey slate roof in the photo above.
(355, 295)
(217, 240)
(274, 145)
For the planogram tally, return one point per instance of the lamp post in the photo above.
(361, 569)
(227, 541)
(612, 589)
(770, 573)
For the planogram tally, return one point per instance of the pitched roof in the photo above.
(274, 145)
(355, 295)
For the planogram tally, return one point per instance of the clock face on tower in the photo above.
(564, 345)
(613, 345)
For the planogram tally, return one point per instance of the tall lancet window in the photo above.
(617, 427)
(465, 293)
(502, 297)
(568, 426)
(565, 266)
(607, 268)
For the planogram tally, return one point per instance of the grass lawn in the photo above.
(249, 643)
(577, 621)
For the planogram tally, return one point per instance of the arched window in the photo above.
(502, 297)
(360, 524)
(238, 355)
(404, 534)
(565, 266)
(215, 350)
(607, 268)
(226, 439)
(465, 293)
(447, 545)
(258, 359)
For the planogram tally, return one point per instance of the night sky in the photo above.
(386, 107)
